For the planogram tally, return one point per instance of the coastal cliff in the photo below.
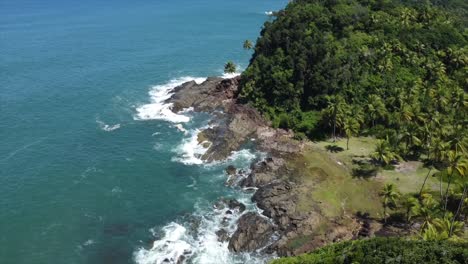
(291, 221)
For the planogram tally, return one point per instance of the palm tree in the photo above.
(456, 164)
(443, 228)
(460, 206)
(351, 128)
(389, 195)
(375, 108)
(334, 110)
(230, 67)
(438, 149)
(247, 44)
(383, 153)
(411, 204)
(428, 210)
(409, 137)
(425, 179)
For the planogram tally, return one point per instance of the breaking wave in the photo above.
(157, 108)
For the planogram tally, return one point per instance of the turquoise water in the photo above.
(83, 179)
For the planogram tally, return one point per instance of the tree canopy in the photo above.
(395, 67)
(385, 250)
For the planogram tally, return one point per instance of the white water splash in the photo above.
(160, 110)
(106, 127)
(180, 244)
(190, 151)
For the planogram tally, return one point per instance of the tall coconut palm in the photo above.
(375, 108)
(383, 153)
(351, 128)
(425, 179)
(334, 111)
(460, 206)
(409, 137)
(230, 67)
(247, 44)
(389, 196)
(457, 164)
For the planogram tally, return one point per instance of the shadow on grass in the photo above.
(334, 148)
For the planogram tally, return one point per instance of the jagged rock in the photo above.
(277, 201)
(263, 172)
(253, 232)
(234, 204)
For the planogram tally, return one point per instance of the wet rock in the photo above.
(181, 259)
(253, 232)
(229, 212)
(263, 172)
(234, 204)
(278, 201)
(223, 235)
(207, 96)
(231, 170)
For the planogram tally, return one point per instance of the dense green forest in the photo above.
(394, 70)
(385, 250)
(383, 63)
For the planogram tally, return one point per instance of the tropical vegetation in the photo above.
(385, 250)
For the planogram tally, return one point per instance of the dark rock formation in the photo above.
(234, 204)
(263, 172)
(223, 235)
(253, 232)
(231, 170)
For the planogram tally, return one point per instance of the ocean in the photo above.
(94, 168)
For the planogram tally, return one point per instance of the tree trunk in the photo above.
(334, 129)
(446, 192)
(440, 187)
(460, 205)
(385, 214)
(422, 187)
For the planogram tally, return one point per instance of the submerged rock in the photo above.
(223, 235)
(253, 232)
(231, 170)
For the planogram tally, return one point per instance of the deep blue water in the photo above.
(82, 179)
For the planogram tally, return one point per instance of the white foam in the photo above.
(106, 127)
(190, 151)
(199, 245)
(169, 248)
(269, 13)
(181, 128)
(159, 110)
(243, 156)
(230, 75)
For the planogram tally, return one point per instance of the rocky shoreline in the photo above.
(284, 227)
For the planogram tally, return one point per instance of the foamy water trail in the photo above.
(186, 242)
(190, 151)
(159, 110)
(195, 240)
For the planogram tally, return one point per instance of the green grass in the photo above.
(330, 187)
(407, 180)
(328, 183)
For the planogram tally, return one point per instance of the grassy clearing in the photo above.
(408, 176)
(328, 184)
